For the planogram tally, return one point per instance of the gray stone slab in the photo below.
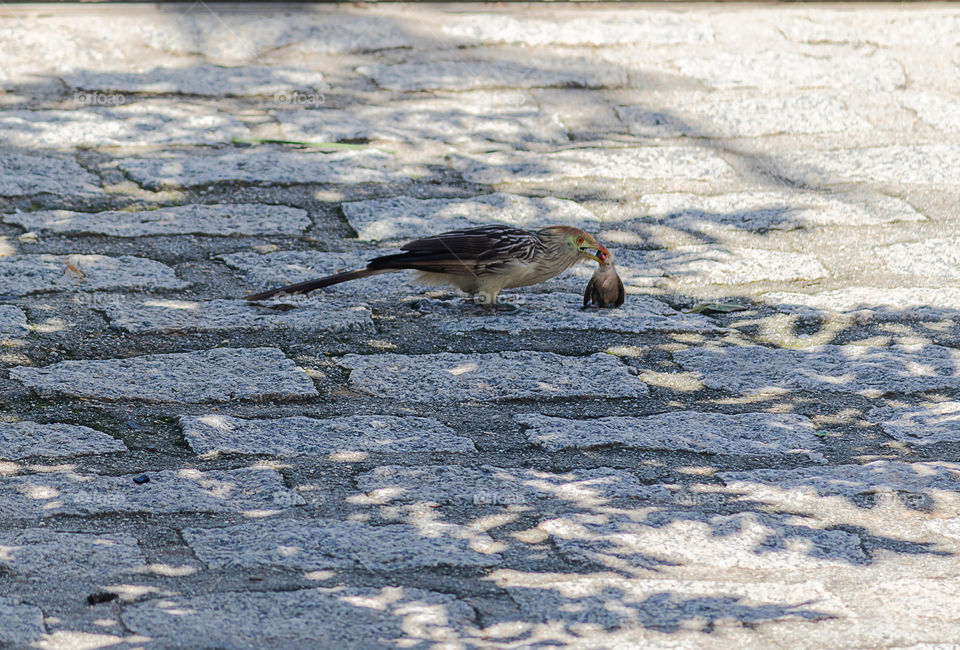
(758, 211)
(924, 424)
(853, 480)
(640, 163)
(217, 375)
(721, 265)
(157, 315)
(223, 219)
(44, 553)
(214, 434)
(405, 218)
(571, 605)
(20, 622)
(891, 165)
(287, 267)
(488, 485)
(564, 311)
(13, 322)
(936, 26)
(139, 124)
(748, 434)
(167, 491)
(340, 617)
(777, 70)
(936, 109)
(624, 27)
(879, 303)
(24, 274)
(266, 167)
(707, 115)
(930, 258)
(201, 79)
(490, 377)
(831, 368)
(495, 73)
(315, 544)
(24, 174)
(748, 540)
(24, 439)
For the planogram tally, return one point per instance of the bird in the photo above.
(605, 288)
(480, 261)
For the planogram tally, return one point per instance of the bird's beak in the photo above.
(601, 255)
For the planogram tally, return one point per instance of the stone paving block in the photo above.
(884, 26)
(287, 267)
(23, 174)
(759, 211)
(333, 543)
(211, 435)
(644, 163)
(167, 491)
(20, 622)
(748, 434)
(720, 265)
(936, 109)
(564, 311)
(24, 439)
(752, 540)
(405, 218)
(223, 219)
(898, 303)
(24, 274)
(266, 167)
(831, 368)
(488, 485)
(217, 375)
(623, 28)
(13, 322)
(201, 79)
(892, 165)
(775, 70)
(44, 553)
(560, 602)
(706, 115)
(852, 480)
(930, 258)
(348, 617)
(924, 424)
(138, 124)
(535, 72)
(490, 377)
(157, 315)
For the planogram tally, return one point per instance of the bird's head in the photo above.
(577, 241)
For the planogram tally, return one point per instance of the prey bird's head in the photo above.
(576, 241)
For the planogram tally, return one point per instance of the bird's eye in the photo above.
(579, 240)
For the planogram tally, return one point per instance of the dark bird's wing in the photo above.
(465, 252)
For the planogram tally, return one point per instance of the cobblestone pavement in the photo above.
(384, 465)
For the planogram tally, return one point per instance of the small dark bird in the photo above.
(480, 261)
(605, 288)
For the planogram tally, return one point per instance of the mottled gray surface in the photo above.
(13, 322)
(23, 174)
(35, 553)
(831, 368)
(351, 618)
(329, 543)
(932, 258)
(490, 377)
(261, 167)
(20, 622)
(26, 274)
(218, 375)
(749, 434)
(924, 424)
(167, 315)
(718, 265)
(185, 490)
(404, 217)
(480, 73)
(240, 219)
(899, 302)
(452, 484)
(209, 435)
(893, 164)
(24, 439)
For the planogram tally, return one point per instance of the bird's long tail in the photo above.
(319, 283)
